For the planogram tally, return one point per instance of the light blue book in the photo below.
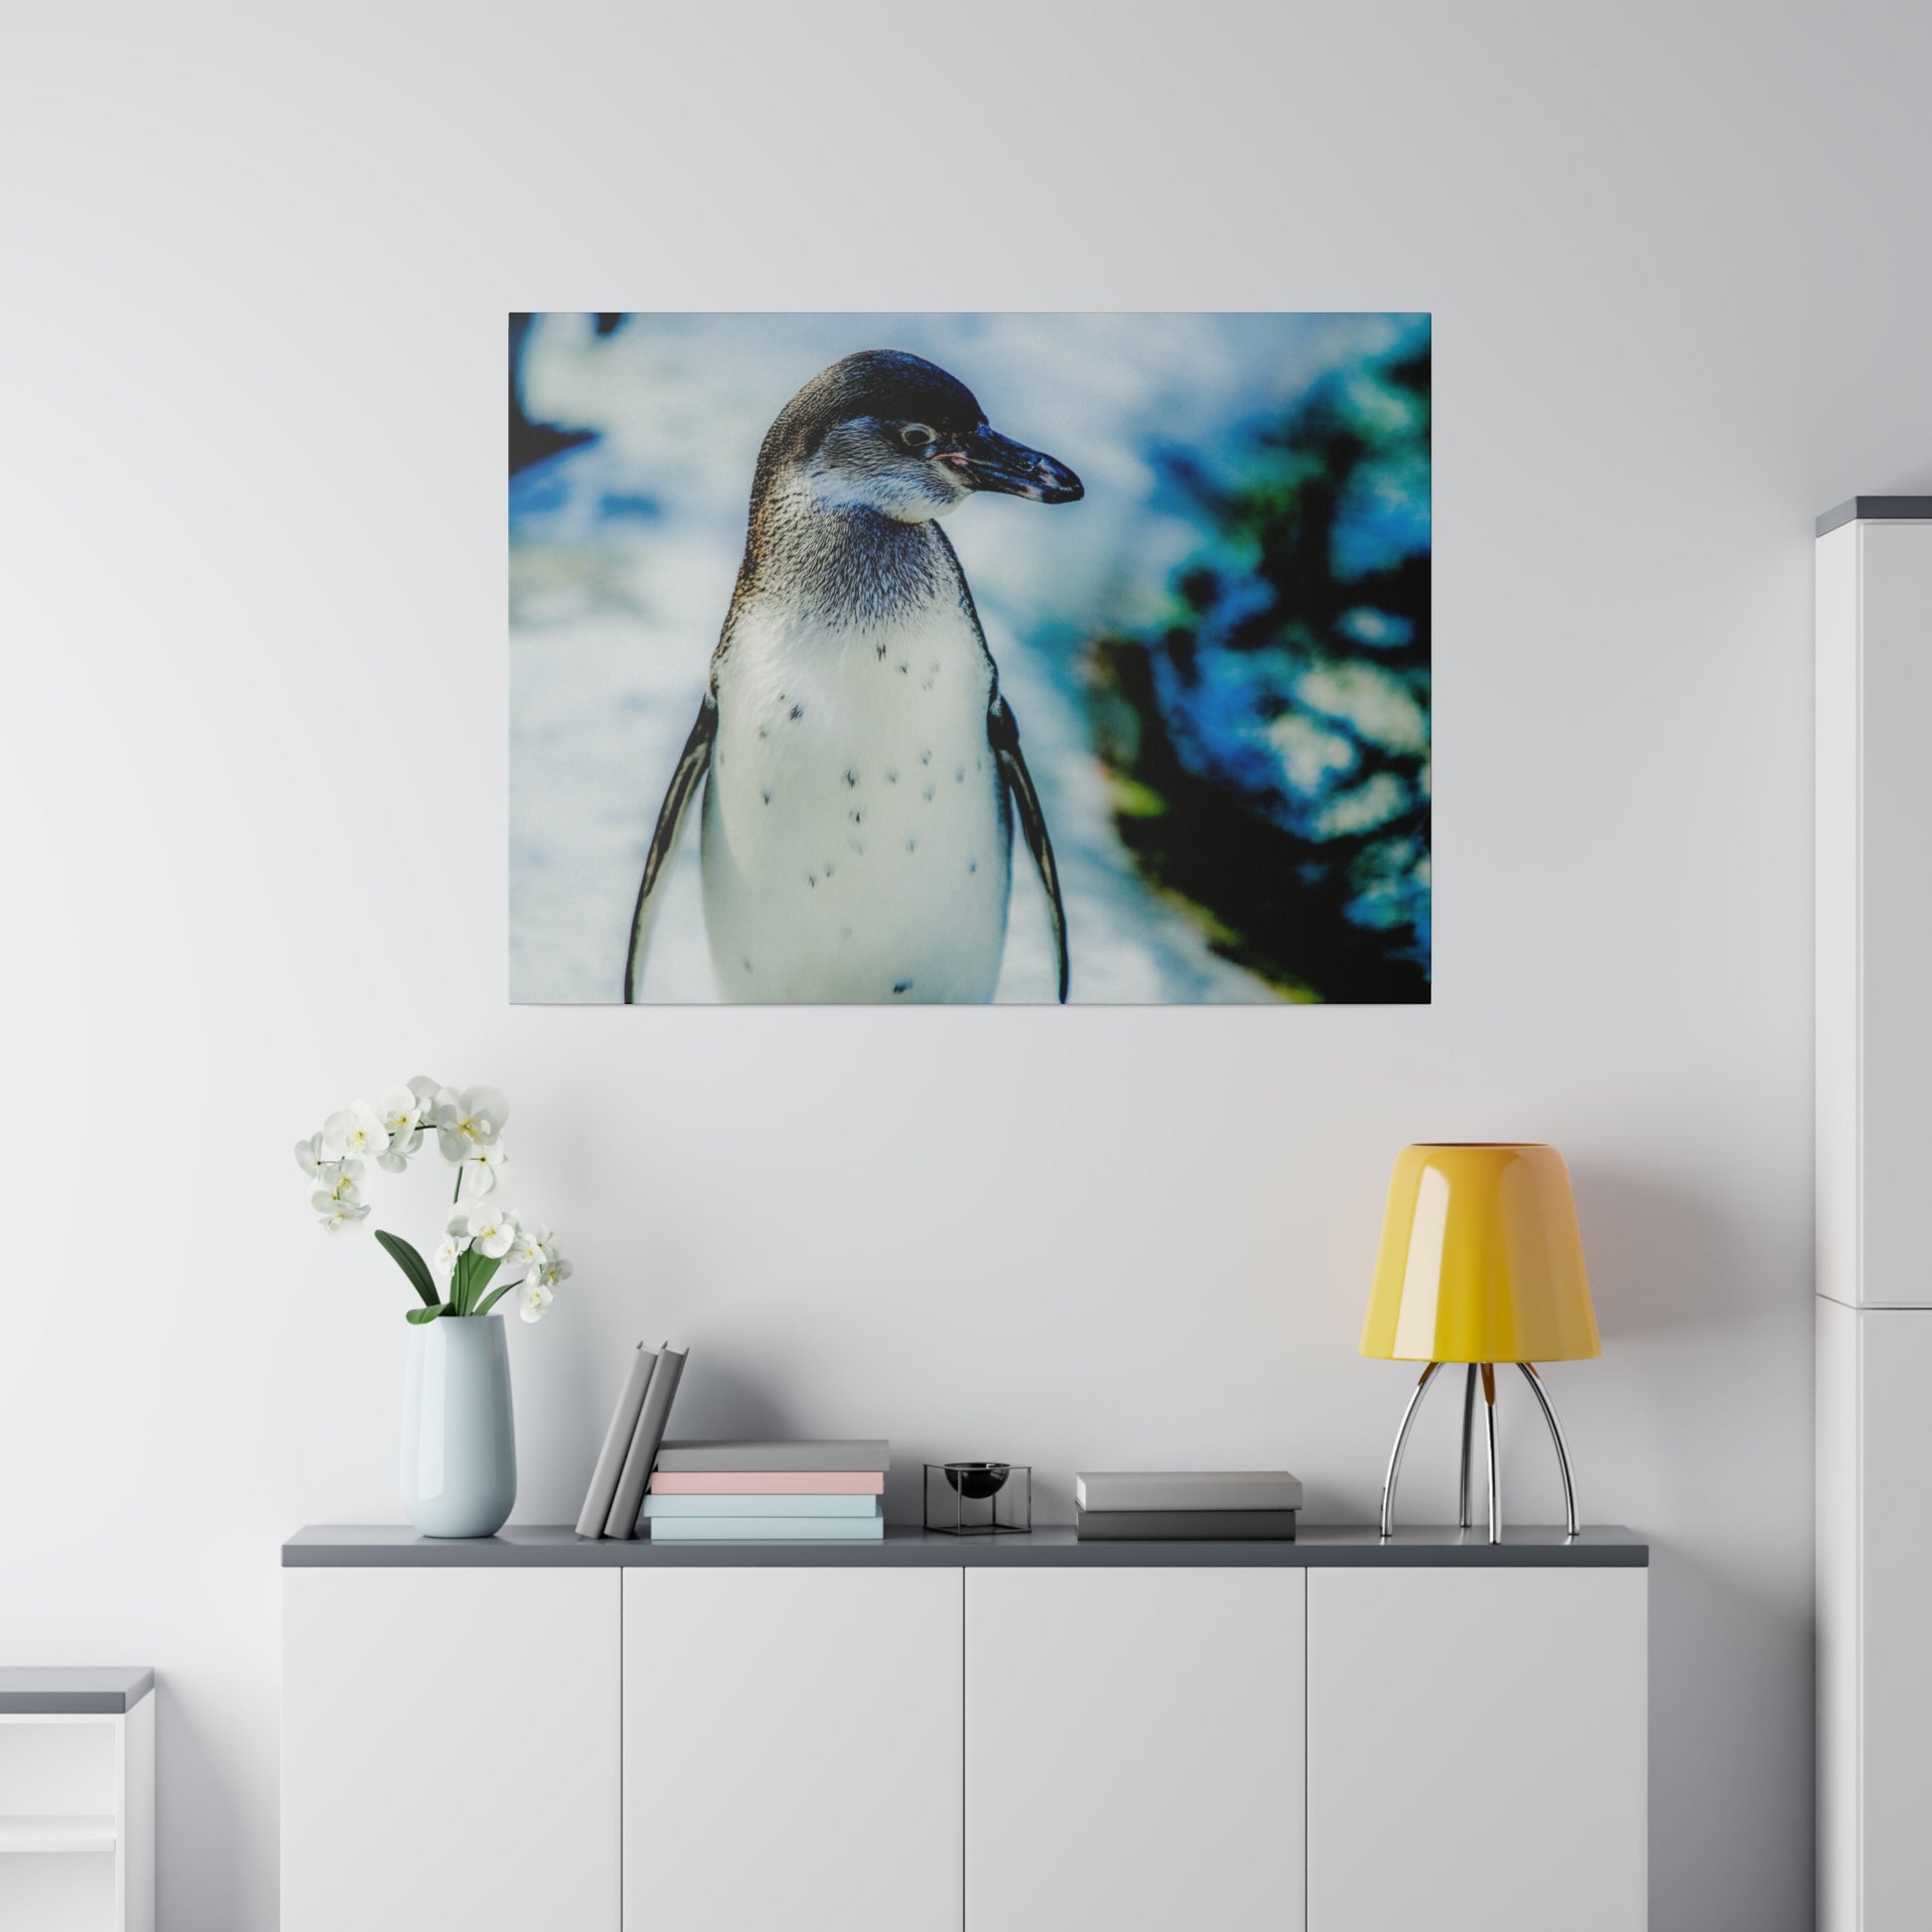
(663, 1507)
(768, 1529)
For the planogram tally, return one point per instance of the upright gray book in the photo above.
(644, 1440)
(738, 1458)
(1190, 1490)
(1185, 1526)
(603, 1492)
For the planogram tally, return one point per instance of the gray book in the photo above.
(740, 1458)
(1186, 1526)
(645, 1441)
(1190, 1490)
(617, 1445)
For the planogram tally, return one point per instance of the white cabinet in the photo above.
(1873, 1175)
(1874, 910)
(1875, 1593)
(791, 1750)
(449, 1750)
(1476, 1750)
(1134, 1749)
(76, 1817)
(532, 1733)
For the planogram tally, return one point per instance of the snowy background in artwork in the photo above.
(622, 554)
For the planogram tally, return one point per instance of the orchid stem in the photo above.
(456, 1302)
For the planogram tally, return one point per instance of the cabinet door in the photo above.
(1894, 1543)
(1134, 1749)
(1476, 1744)
(449, 1750)
(791, 1750)
(1893, 1019)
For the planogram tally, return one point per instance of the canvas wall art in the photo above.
(913, 658)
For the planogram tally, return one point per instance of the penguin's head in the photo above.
(893, 433)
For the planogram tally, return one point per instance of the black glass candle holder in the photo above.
(978, 1498)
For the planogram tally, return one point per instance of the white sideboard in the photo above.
(76, 1800)
(1873, 593)
(936, 1734)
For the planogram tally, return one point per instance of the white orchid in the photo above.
(532, 1246)
(401, 1114)
(468, 1126)
(340, 1180)
(470, 1121)
(492, 1230)
(356, 1130)
(400, 1111)
(487, 1171)
(456, 1241)
(536, 1249)
(394, 1159)
(340, 1214)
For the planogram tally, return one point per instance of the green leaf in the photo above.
(462, 1284)
(472, 1272)
(495, 1295)
(412, 1265)
(420, 1315)
(479, 1275)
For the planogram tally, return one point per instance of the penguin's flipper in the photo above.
(1002, 733)
(692, 764)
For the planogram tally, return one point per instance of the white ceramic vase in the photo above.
(459, 1439)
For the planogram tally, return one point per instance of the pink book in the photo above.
(770, 1483)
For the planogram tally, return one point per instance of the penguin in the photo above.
(861, 769)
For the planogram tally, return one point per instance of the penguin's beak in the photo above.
(990, 460)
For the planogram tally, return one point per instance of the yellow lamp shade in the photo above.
(1480, 1260)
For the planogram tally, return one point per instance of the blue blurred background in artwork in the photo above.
(1220, 657)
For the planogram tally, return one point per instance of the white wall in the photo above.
(256, 264)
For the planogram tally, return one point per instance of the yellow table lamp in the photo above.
(1480, 1263)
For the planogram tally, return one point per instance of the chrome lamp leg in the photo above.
(1464, 1519)
(1465, 1515)
(1495, 1468)
(1555, 1435)
(1395, 1454)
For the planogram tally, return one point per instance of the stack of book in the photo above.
(775, 1493)
(1218, 1506)
(616, 1492)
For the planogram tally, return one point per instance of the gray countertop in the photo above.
(1876, 509)
(1317, 1545)
(65, 1690)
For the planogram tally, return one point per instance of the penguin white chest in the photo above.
(857, 840)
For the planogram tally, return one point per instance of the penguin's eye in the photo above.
(915, 434)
